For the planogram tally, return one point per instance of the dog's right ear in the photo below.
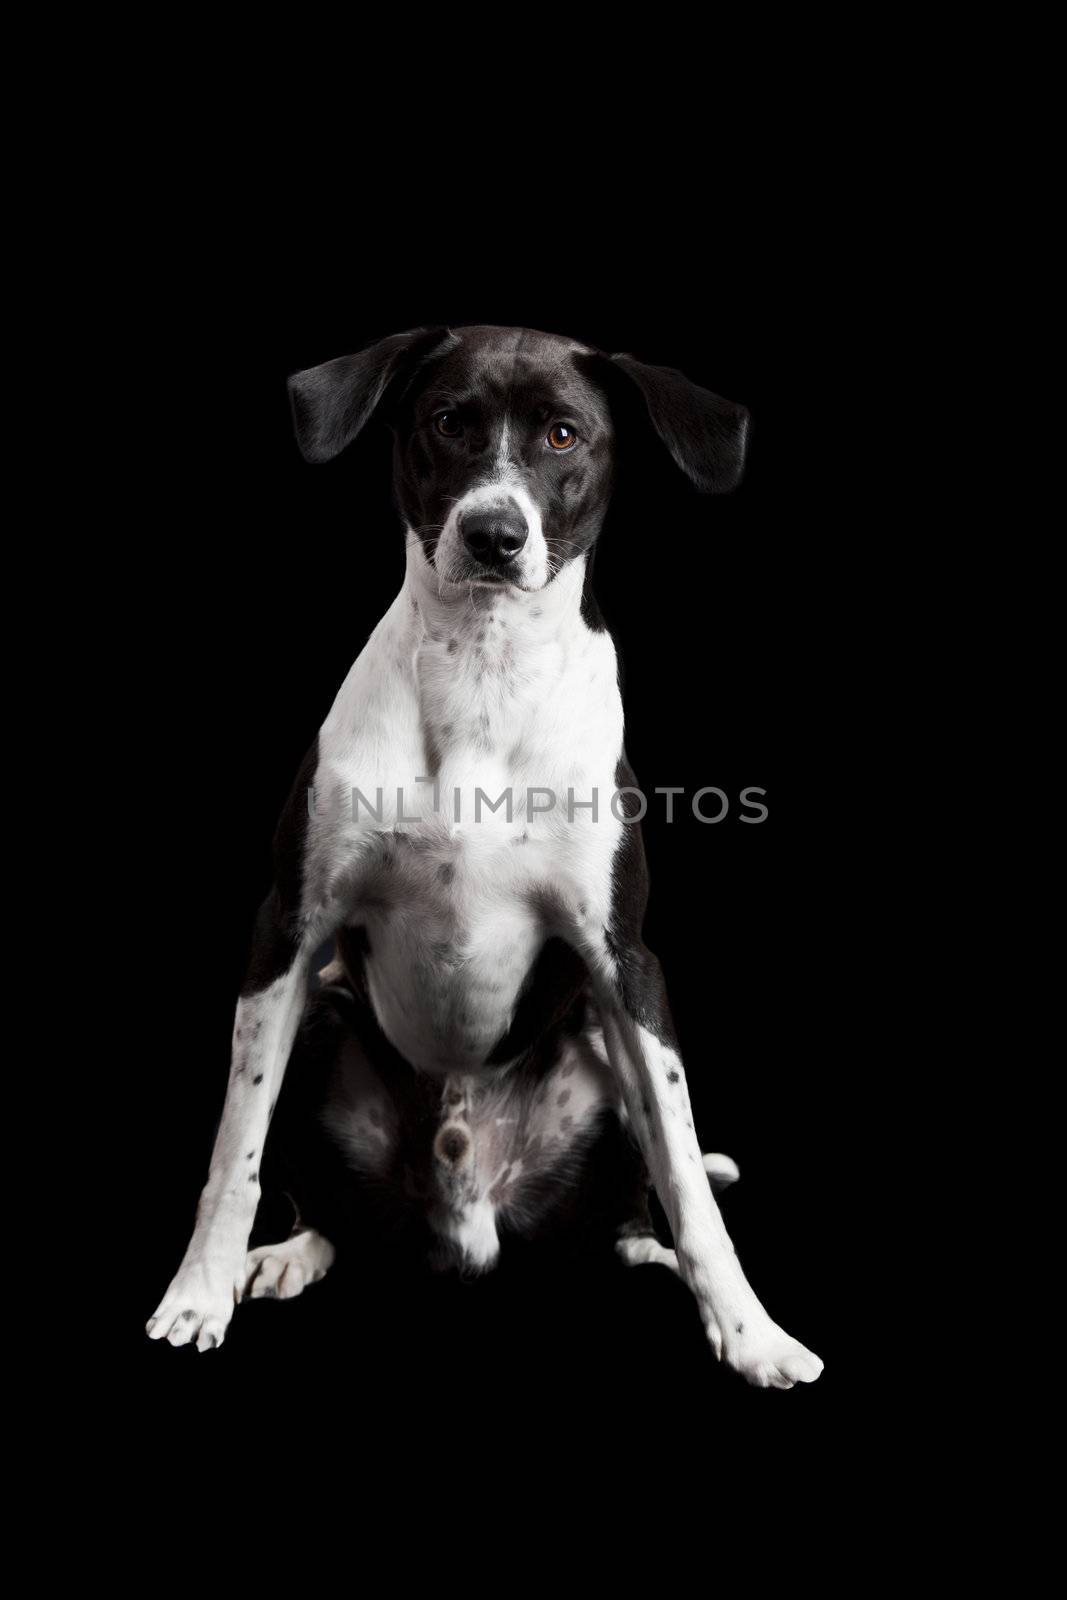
(334, 402)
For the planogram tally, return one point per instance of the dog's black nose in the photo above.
(495, 537)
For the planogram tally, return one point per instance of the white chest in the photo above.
(475, 744)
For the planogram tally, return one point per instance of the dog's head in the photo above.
(506, 439)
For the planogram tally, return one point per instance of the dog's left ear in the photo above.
(333, 403)
(706, 435)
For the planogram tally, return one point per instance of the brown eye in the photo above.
(448, 424)
(561, 437)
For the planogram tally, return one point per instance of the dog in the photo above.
(490, 1011)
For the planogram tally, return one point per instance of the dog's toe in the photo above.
(196, 1309)
(282, 1271)
(767, 1357)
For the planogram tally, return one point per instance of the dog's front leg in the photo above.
(641, 1046)
(199, 1303)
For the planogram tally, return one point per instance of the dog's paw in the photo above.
(765, 1355)
(643, 1250)
(196, 1309)
(282, 1271)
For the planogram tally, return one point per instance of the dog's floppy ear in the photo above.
(706, 435)
(332, 403)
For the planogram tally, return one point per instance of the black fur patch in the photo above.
(276, 936)
(644, 992)
(549, 998)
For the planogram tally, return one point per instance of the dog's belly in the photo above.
(449, 946)
(468, 1153)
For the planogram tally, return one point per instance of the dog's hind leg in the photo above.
(637, 1245)
(282, 1271)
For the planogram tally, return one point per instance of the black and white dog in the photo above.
(463, 830)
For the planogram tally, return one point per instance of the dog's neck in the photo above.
(441, 611)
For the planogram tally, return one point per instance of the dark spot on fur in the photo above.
(258, 1078)
(452, 1144)
(568, 1069)
(187, 1316)
(446, 872)
(525, 839)
(740, 1328)
(672, 1077)
(536, 612)
(646, 1108)
(563, 1098)
(566, 1124)
(433, 755)
(253, 1177)
(250, 1154)
(453, 646)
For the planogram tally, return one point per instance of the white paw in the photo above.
(197, 1307)
(282, 1271)
(722, 1170)
(644, 1251)
(766, 1356)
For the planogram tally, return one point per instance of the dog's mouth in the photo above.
(489, 577)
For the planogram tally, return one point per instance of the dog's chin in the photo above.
(467, 575)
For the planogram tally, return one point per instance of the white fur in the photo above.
(473, 1229)
(531, 565)
(513, 692)
(282, 1271)
(721, 1170)
(644, 1251)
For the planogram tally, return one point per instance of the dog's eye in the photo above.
(561, 437)
(448, 424)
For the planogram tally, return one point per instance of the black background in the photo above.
(258, 579)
